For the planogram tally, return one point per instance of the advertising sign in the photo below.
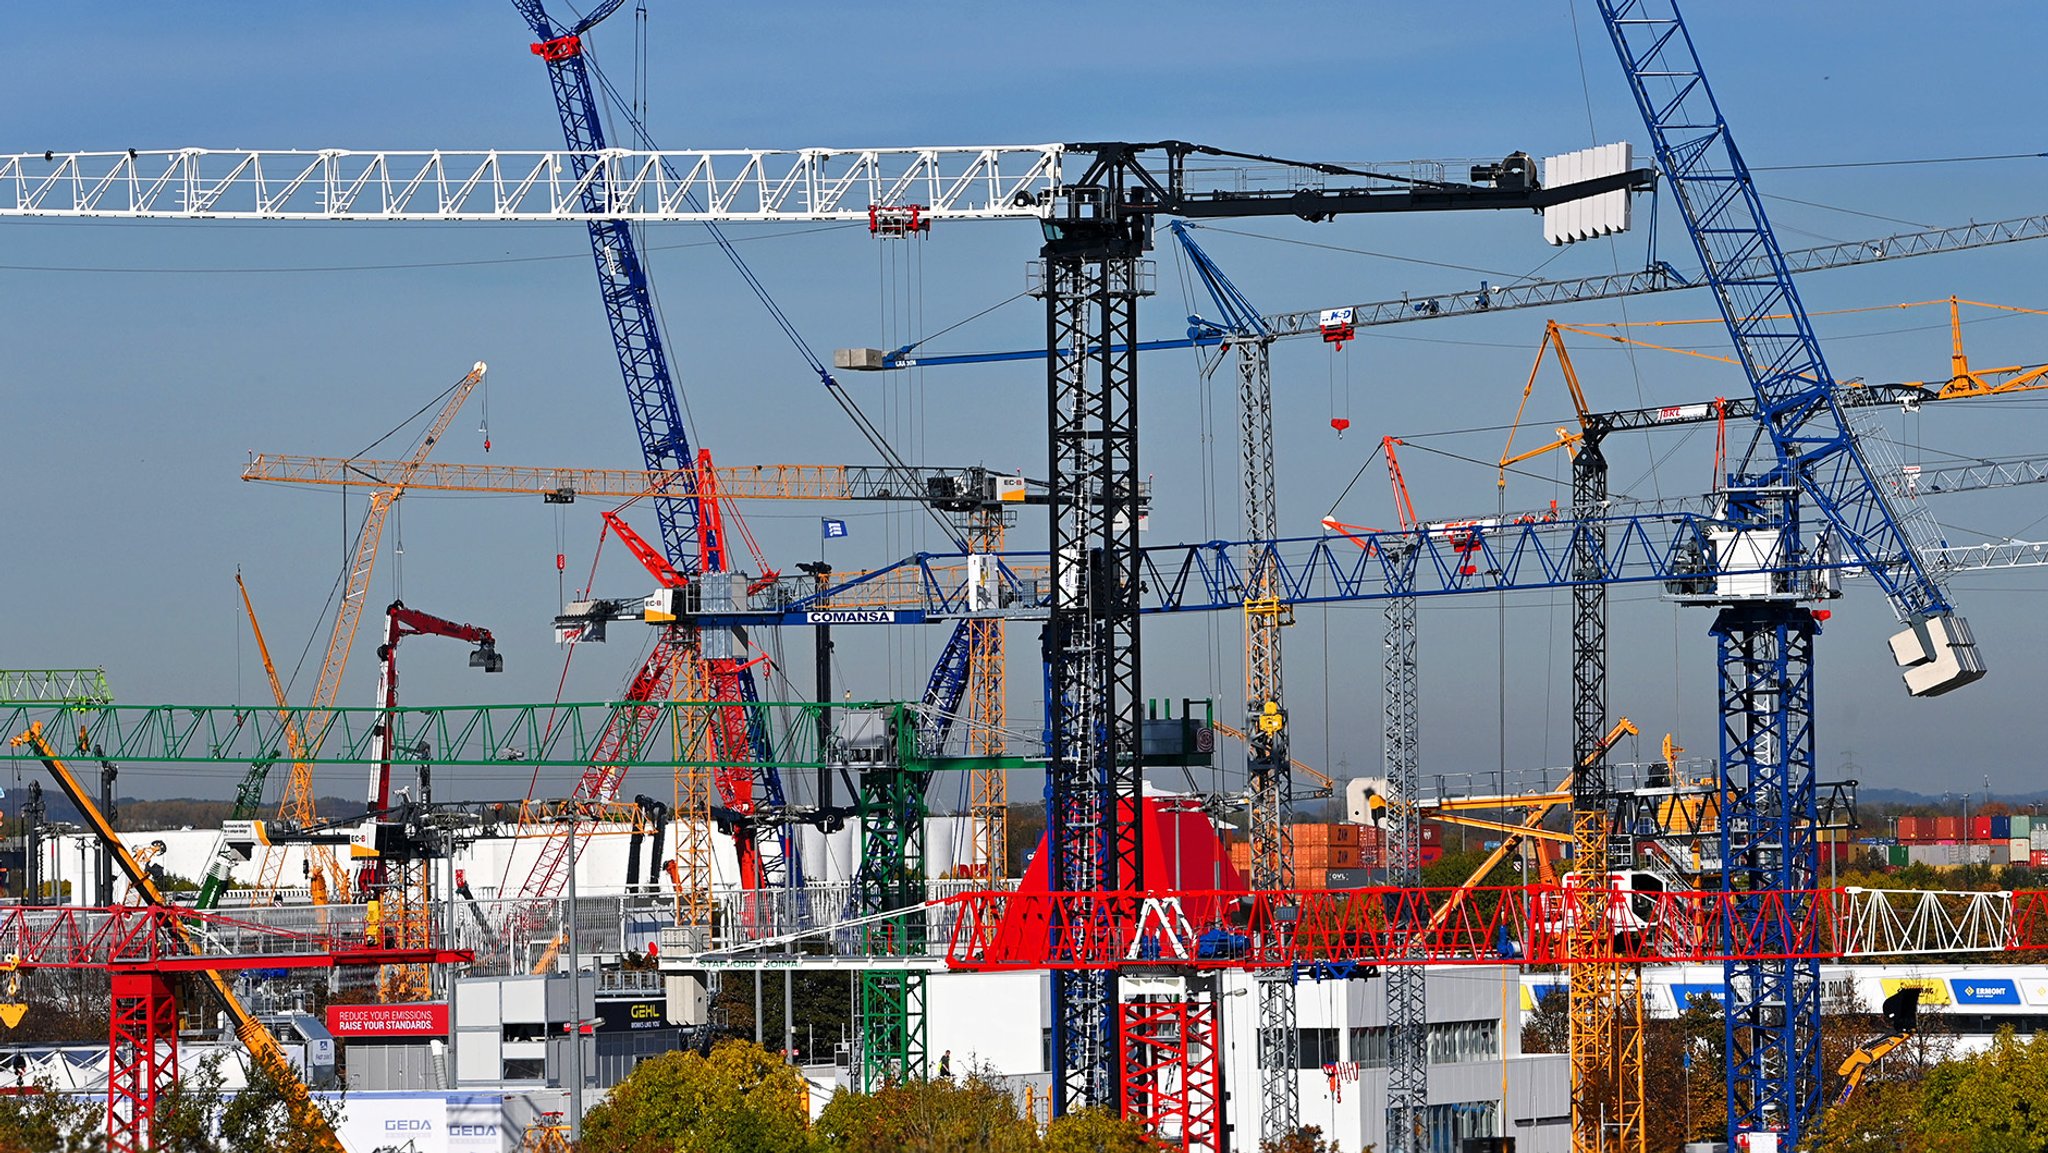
(1984, 991)
(390, 1120)
(1933, 991)
(1683, 994)
(637, 1013)
(412, 1019)
(475, 1124)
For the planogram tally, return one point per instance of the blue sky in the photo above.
(145, 360)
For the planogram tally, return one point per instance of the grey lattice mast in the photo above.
(1268, 784)
(1407, 1005)
(1267, 766)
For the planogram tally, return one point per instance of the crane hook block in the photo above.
(560, 48)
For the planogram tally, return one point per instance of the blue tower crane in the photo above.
(1772, 1021)
(643, 360)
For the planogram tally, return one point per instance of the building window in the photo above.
(1447, 1126)
(1369, 1047)
(522, 1069)
(524, 1031)
(1318, 1048)
(1450, 1042)
(1453, 1042)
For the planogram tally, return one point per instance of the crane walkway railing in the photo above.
(34, 936)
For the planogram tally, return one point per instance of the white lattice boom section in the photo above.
(1909, 922)
(811, 184)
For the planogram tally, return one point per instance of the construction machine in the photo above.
(1902, 1013)
(306, 1114)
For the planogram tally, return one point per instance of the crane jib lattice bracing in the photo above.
(1490, 298)
(1090, 275)
(1773, 337)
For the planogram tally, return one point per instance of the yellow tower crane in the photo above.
(325, 876)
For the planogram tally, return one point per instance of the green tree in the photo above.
(740, 1099)
(1306, 1139)
(1991, 1102)
(42, 1120)
(1097, 1131)
(975, 1115)
(199, 1115)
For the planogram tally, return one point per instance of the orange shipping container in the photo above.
(1325, 834)
(1326, 856)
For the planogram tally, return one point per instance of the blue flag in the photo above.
(834, 528)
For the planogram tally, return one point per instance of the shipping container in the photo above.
(1337, 834)
(2039, 836)
(1311, 878)
(2001, 828)
(1325, 856)
(1349, 879)
(1432, 834)
(1431, 853)
(1948, 828)
(1913, 829)
(2040, 858)
(2022, 825)
(2017, 849)
(1896, 856)
(1936, 855)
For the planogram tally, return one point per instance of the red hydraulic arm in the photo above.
(720, 675)
(1404, 508)
(401, 622)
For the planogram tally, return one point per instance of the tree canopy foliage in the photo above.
(744, 1098)
(741, 1098)
(1995, 1101)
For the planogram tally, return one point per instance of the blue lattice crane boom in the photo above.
(1771, 1027)
(643, 359)
(1774, 339)
(657, 419)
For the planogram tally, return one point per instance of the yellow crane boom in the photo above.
(329, 880)
(307, 1116)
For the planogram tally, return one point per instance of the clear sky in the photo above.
(145, 360)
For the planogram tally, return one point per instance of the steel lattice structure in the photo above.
(1104, 931)
(590, 182)
(1772, 1024)
(1606, 1007)
(1773, 1007)
(1091, 286)
(1170, 1070)
(1268, 776)
(1407, 986)
(889, 1003)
